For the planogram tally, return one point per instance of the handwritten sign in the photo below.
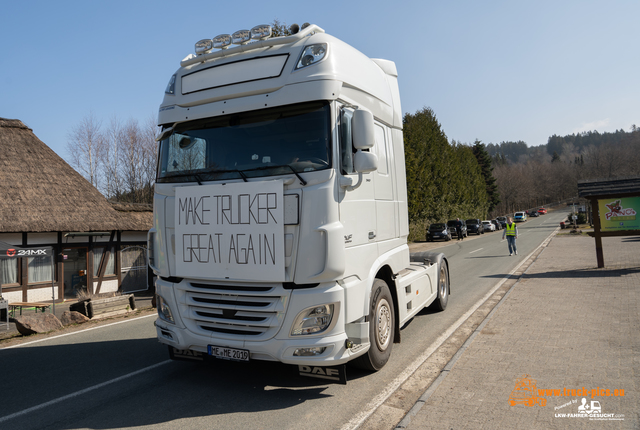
(230, 231)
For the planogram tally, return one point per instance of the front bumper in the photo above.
(198, 324)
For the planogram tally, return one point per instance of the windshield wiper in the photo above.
(302, 181)
(239, 172)
(198, 178)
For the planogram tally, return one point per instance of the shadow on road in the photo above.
(580, 273)
(170, 392)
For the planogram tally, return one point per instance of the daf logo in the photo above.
(320, 371)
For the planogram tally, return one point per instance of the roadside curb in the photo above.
(406, 401)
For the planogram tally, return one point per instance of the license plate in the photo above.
(228, 353)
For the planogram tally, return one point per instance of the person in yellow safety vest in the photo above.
(511, 233)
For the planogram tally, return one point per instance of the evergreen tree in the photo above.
(486, 168)
(444, 181)
(428, 158)
(279, 28)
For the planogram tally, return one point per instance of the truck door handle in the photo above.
(372, 235)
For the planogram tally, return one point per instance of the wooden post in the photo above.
(103, 261)
(597, 232)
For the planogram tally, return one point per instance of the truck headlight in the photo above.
(171, 86)
(313, 320)
(164, 311)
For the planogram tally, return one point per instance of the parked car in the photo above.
(534, 213)
(542, 211)
(474, 225)
(488, 226)
(439, 231)
(502, 220)
(497, 224)
(452, 225)
(520, 217)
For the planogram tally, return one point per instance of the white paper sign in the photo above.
(230, 231)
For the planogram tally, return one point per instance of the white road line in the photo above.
(77, 332)
(479, 249)
(377, 401)
(81, 392)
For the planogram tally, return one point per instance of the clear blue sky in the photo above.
(492, 70)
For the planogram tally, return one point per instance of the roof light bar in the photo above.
(259, 34)
(222, 41)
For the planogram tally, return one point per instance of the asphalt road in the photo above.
(118, 375)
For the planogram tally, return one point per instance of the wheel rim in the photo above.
(443, 281)
(383, 324)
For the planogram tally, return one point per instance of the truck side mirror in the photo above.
(362, 126)
(365, 162)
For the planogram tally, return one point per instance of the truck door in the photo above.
(357, 207)
(383, 186)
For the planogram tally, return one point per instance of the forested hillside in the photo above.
(446, 179)
(533, 176)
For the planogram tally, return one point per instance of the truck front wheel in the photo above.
(442, 299)
(381, 328)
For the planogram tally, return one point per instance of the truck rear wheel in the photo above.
(381, 328)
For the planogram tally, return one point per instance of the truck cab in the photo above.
(280, 207)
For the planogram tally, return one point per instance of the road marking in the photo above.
(76, 332)
(391, 388)
(81, 392)
(479, 249)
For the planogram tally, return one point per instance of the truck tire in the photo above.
(442, 299)
(381, 328)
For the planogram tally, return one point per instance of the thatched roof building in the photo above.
(98, 246)
(40, 192)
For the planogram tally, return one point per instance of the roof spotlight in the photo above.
(240, 37)
(260, 32)
(222, 41)
(204, 46)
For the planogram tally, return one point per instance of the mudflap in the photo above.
(186, 354)
(332, 373)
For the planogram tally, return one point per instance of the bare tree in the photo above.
(131, 160)
(149, 148)
(85, 145)
(113, 136)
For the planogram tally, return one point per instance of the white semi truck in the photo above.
(280, 207)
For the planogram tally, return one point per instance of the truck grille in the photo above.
(235, 312)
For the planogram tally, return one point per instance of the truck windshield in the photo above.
(267, 142)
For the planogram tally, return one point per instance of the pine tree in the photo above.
(484, 161)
